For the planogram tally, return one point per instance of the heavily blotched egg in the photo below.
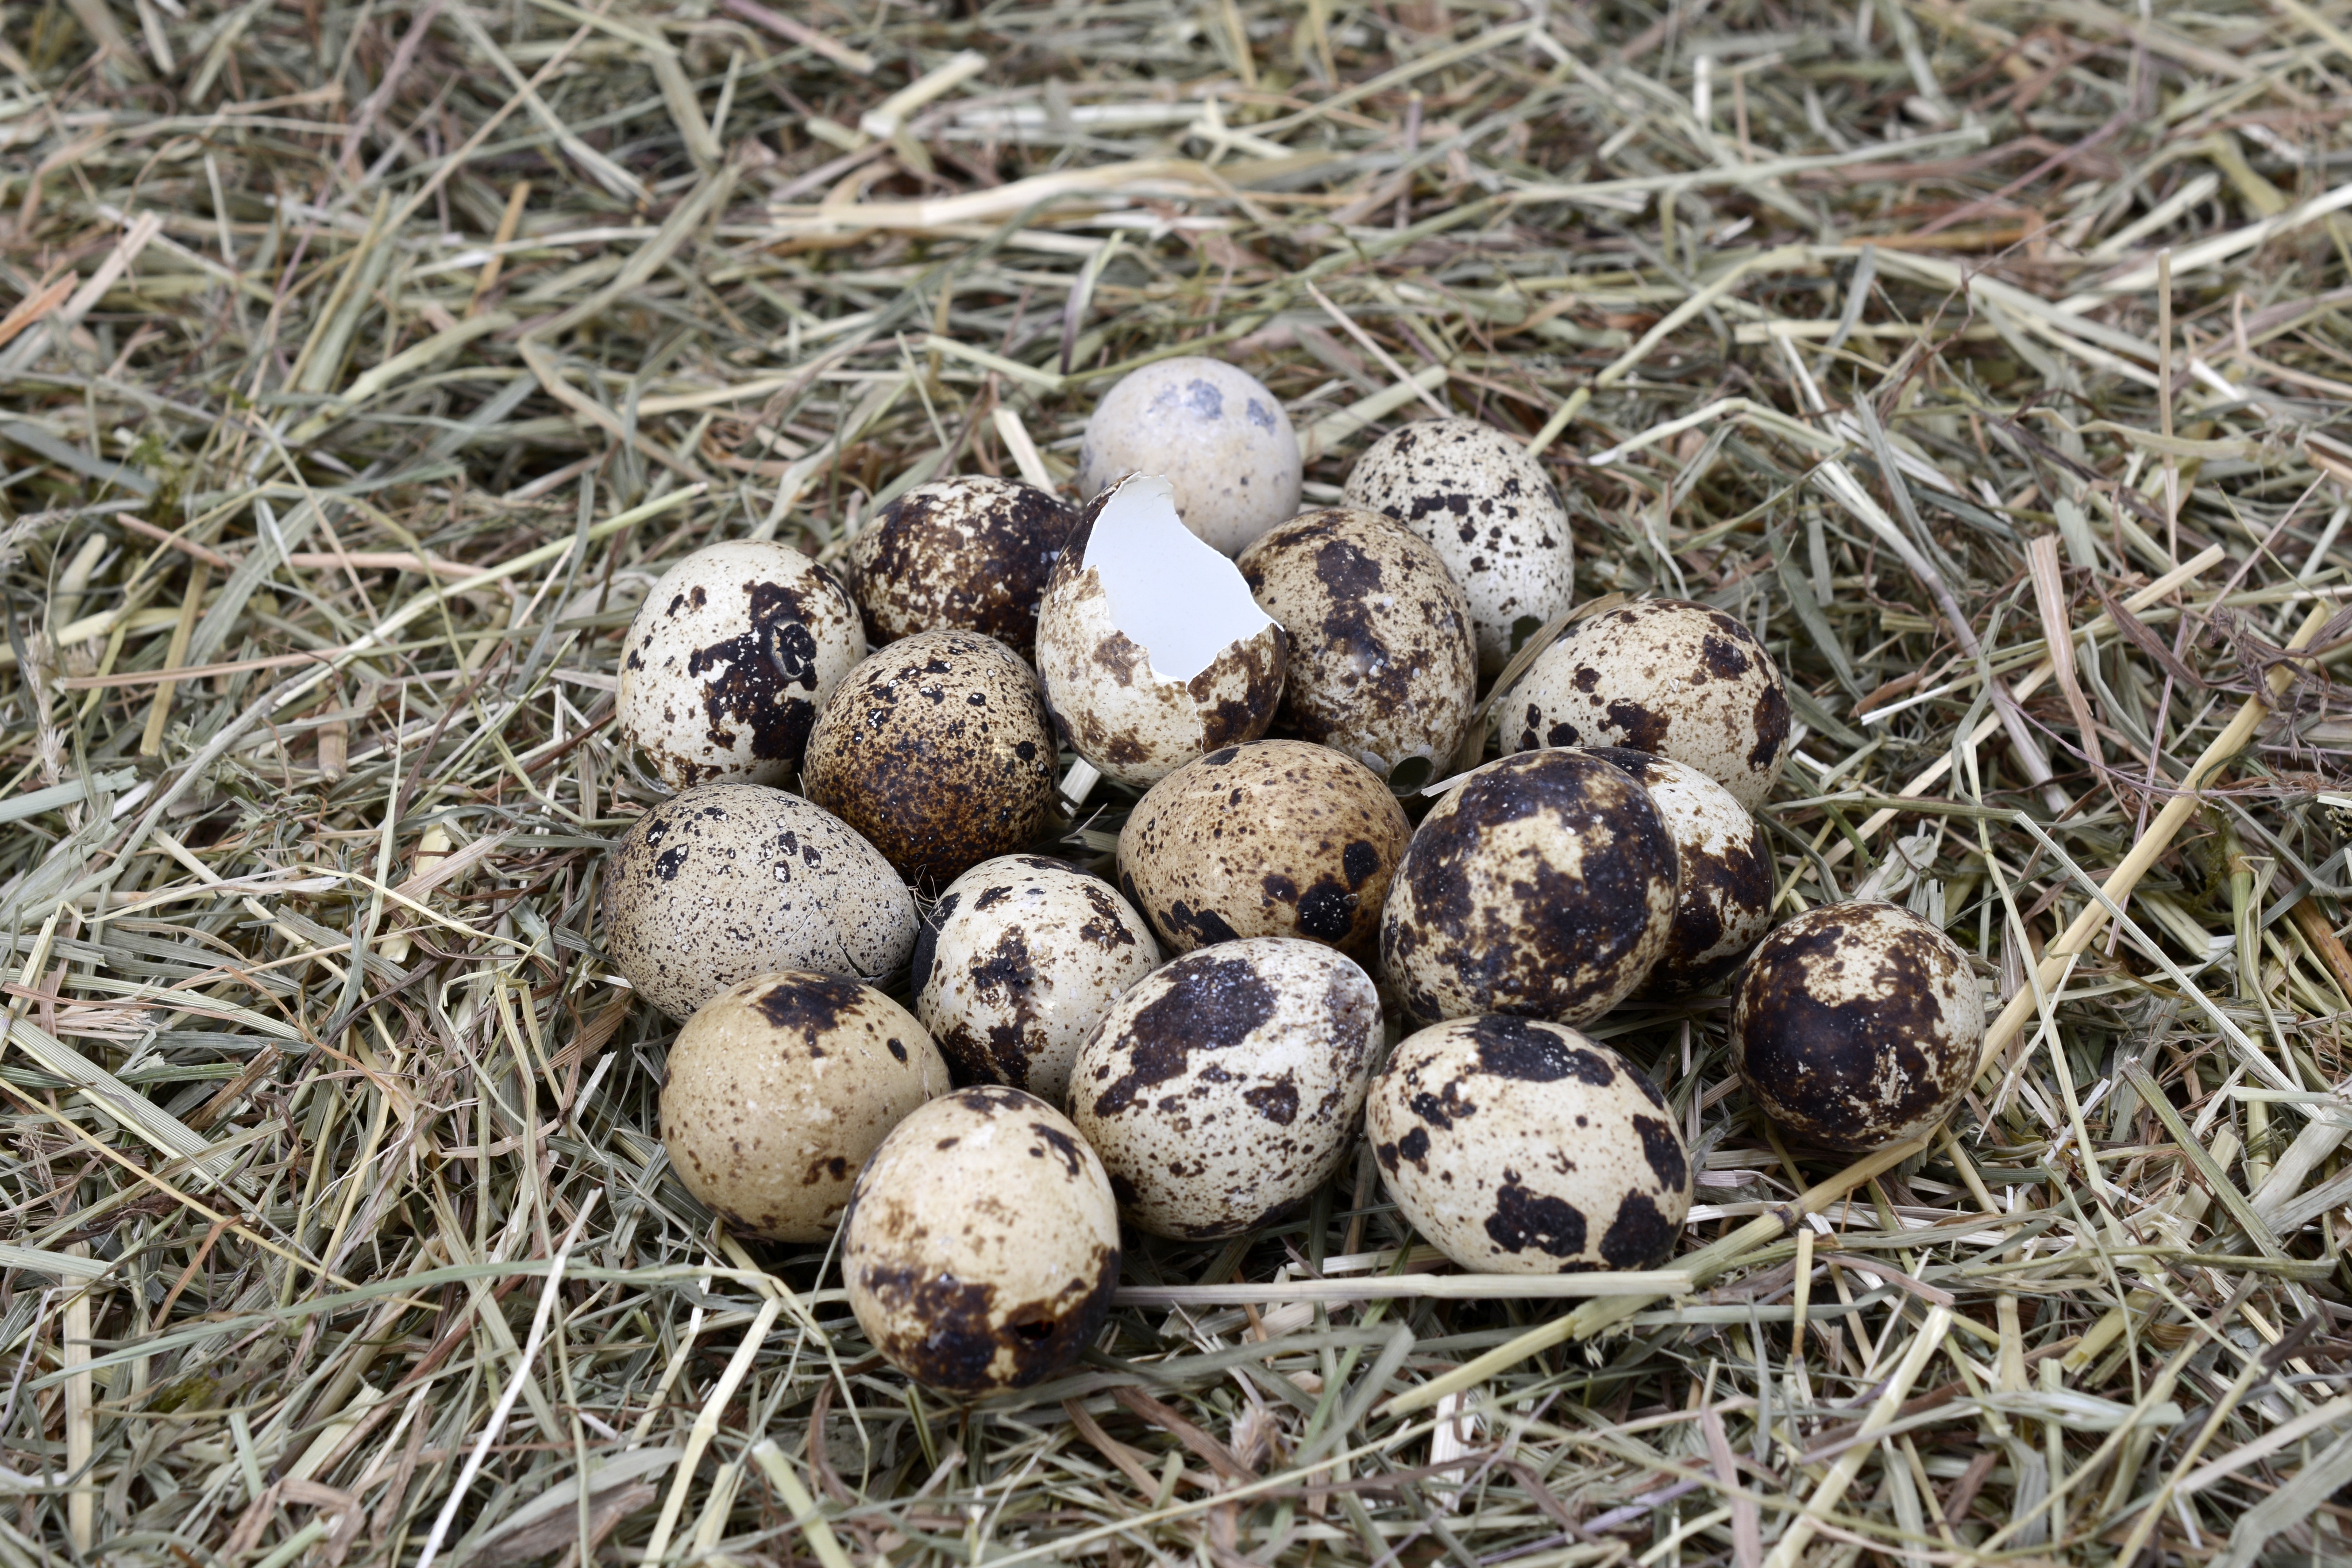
(1726, 903)
(1214, 432)
(970, 552)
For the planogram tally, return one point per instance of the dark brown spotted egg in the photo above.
(1726, 903)
(778, 1088)
(1491, 513)
(983, 1249)
(1383, 664)
(1856, 1026)
(731, 658)
(1273, 838)
(1516, 1146)
(1223, 1089)
(1683, 680)
(1018, 961)
(973, 552)
(728, 880)
(1542, 885)
(1213, 431)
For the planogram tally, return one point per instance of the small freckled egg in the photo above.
(937, 748)
(1223, 1089)
(1018, 961)
(1543, 885)
(1684, 680)
(1491, 513)
(971, 552)
(1213, 431)
(1273, 838)
(983, 1249)
(1384, 663)
(729, 660)
(1516, 1146)
(778, 1088)
(1726, 903)
(725, 881)
(1857, 1025)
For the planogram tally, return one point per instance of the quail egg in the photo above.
(729, 660)
(1018, 961)
(1683, 680)
(777, 1090)
(1542, 885)
(1273, 838)
(1223, 1089)
(983, 1249)
(1727, 873)
(1492, 515)
(1516, 1146)
(1213, 431)
(1857, 1025)
(725, 881)
(973, 552)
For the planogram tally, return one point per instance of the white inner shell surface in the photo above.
(1173, 595)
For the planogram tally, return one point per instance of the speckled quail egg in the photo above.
(1856, 1026)
(729, 660)
(1018, 961)
(1383, 664)
(1542, 885)
(1273, 838)
(937, 748)
(728, 880)
(1223, 1089)
(1213, 431)
(778, 1088)
(1684, 680)
(1516, 1146)
(973, 552)
(1150, 648)
(1492, 515)
(983, 1249)
(1726, 903)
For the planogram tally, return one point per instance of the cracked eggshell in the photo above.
(1273, 838)
(1543, 885)
(1383, 664)
(1726, 903)
(1666, 676)
(970, 552)
(730, 880)
(1521, 1147)
(1150, 650)
(937, 748)
(1223, 1089)
(1491, 513)
(731, 658)
(778, 1088)
(1214, 432)
(1856, 1026)
(1018, 961)
(983, 1249)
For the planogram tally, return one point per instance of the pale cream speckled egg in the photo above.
(1726, 903)
(970, 551)
(1212, 430)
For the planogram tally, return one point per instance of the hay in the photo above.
(363, 364)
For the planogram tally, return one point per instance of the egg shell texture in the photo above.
(778, 1088)
(728, 880)
(1018, 961)
(1516, 1146)
(1384, 663)
(983, 1249)
(970, 552)
(1209, 428)
(1544, 885)
(1856, 1026)
(1491, 513)
(1726, 903)
(1273, 838)
(1223, 1089)
(729, 660)
(1684, 680)
(937, 748)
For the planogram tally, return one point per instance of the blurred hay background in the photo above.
(364, 363)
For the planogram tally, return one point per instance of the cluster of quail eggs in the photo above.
(1192, 1043)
